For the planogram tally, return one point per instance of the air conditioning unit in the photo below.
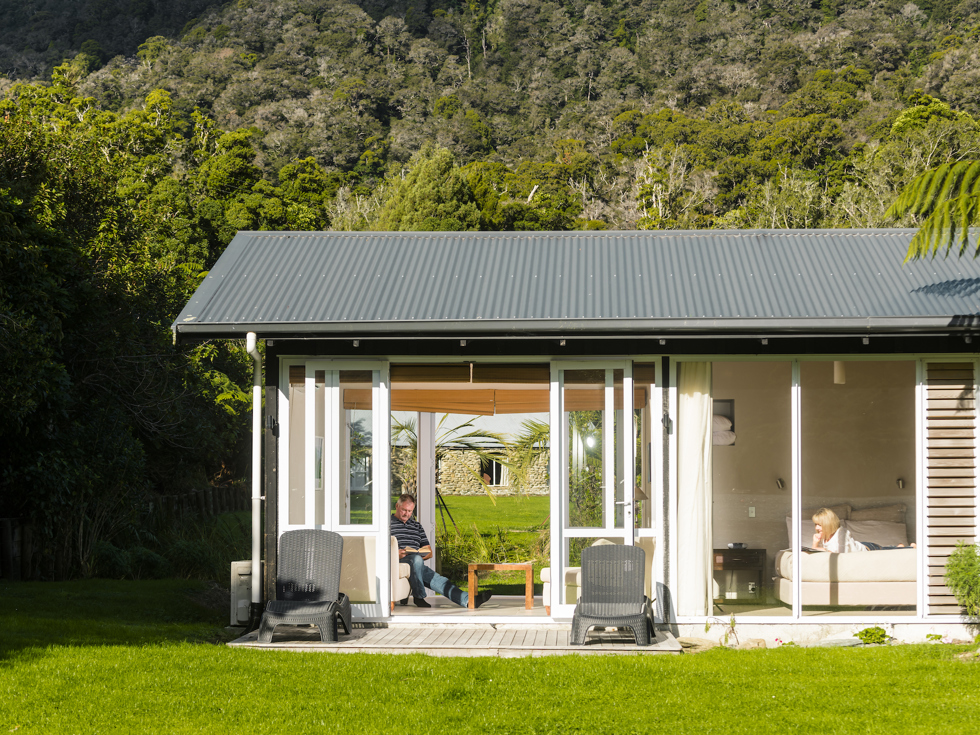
(241, 591)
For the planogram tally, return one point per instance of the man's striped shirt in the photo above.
(410, 535)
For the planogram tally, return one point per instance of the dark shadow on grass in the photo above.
(99, 612)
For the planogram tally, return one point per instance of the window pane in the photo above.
(583, 418)
(858, 461)
(319, 446)
(752, 495)
(296, 509)
(644, 514)
(357, 448)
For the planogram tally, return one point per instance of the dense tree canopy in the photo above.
(135, 140)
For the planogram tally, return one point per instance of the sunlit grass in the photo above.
(138, 657)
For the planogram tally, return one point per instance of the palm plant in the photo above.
(447, 439)
(523, 452)
(947, 201)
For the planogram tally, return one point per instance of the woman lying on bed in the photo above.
(831, 537)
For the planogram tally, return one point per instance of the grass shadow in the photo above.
(101, 612)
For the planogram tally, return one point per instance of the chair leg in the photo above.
(266, 629)
(580, 630)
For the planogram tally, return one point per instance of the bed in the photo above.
(864, 579)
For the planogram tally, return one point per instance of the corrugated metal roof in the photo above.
(706, 281)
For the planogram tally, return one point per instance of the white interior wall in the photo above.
(745, 474)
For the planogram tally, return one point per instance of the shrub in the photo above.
(110, 562)
(963, 577)
(875, 635)
(147, 564)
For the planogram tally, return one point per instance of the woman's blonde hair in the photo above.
(828, 520)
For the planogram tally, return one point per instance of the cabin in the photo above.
(705, 392)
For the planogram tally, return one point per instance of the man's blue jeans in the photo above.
(422, 577)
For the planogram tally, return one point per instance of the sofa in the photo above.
(863, 579)
(400, 588)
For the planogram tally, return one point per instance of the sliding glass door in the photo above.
(594, 463)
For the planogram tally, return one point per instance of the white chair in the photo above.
(400, 572)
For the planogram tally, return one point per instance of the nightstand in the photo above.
(736, 560)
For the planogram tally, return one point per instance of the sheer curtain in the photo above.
(694, 564)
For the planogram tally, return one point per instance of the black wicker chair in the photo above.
(308, 585)
(612, 593)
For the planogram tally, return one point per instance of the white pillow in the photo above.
(882, 533)
(891, 513)
(720, 423)
(722, 438)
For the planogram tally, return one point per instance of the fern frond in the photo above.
(932, 189)
(947, 224)
(948, 198)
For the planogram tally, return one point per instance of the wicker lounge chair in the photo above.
(612, 593)
(308, 585)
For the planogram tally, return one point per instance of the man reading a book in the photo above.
(414, 549)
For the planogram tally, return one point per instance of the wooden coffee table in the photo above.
(528, 568)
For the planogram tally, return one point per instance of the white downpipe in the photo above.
(250, 346)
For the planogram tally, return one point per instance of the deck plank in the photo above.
(464, 640)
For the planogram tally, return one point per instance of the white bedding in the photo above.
(892, 565)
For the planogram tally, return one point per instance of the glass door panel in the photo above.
(858, 466)
(751, 488)
(583, 422)
(355, 501)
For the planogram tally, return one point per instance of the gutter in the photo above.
(715, 327)
(255, 609)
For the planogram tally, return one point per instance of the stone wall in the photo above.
(456, 475)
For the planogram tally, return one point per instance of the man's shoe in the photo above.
(403, 602)
(419, 602)
(481, 597)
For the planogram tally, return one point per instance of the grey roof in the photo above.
(523, 283)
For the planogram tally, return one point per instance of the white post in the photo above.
(425, 473)
(250, 346)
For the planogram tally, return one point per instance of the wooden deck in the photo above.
(503, 641)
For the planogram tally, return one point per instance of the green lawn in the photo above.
(512, 514)
(138, 657)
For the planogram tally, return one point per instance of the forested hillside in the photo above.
(137, 137)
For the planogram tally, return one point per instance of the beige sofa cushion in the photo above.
(894, 565)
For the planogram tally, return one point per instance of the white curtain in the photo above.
(694, 563)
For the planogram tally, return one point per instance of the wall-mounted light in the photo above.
(839, 376)
(462, 343)
(765, 341)
(968, 339)
(901, 483)
(357, 343)
(561, 343)
(779, 483)
(865, 340)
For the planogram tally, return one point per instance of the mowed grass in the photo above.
(139, 657)
(510, 513)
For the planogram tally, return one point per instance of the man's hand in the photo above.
(402, 553)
